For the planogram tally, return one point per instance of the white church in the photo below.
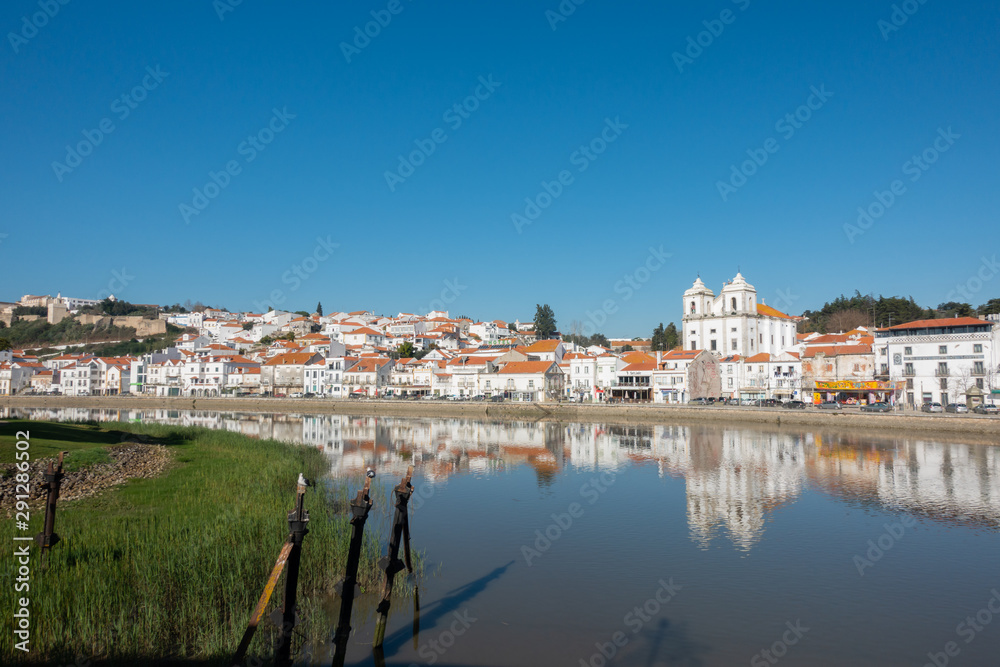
(734, 322)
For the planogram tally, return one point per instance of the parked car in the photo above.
(698, 401)
(297, 394)
(732, 401)
(430, 397)
(986, 409)
(876, 407)
(794, 405)
(497, 399)
(931, 407)
(957, 408)
(479, 397)
(830, 405)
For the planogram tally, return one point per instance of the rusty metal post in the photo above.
(298, 520)
(360, 507)
(53, 479)
(391, 564)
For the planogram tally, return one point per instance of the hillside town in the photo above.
(732, 347)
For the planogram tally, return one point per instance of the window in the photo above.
(942, 349)
(711, 331)
(944, 384)
(857, 367)
(909, 385)
(979, 383)
(907, 350)
(977, 348)
(977, 368)
(942, 368)
(487, 384)
(733, 330)
(908, 369)
(734, 343)
(692, 307)
(733, 303)
(730, 382)
(713, 346)
(729, 368)
(761, 339)
(772, 340)
(694, 346)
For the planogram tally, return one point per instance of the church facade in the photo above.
(734, 322)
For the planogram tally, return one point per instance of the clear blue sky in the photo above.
(656, 184)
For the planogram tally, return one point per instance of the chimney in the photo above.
(659, 357)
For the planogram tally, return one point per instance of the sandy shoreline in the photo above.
(910, 422)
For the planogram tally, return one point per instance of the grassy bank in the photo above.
(172, 566)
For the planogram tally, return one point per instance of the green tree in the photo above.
(991, 307)
(405, 350)
(656, 341)
(4, 345)
(319, 308)
(512, 327)
(628, 348)
(955, 309)
(302, 313)
(247, 326)
(671, 338)
(600, 339)
(545, 322)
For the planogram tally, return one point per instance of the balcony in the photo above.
(978, 371)
(942, 373)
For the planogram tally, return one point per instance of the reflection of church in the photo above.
(735, 478)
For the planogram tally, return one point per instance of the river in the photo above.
(552, 543)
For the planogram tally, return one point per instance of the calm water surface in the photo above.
(560, 544)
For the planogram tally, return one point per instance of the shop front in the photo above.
(855, 392)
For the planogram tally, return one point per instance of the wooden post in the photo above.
(360, 507)
(391, 564)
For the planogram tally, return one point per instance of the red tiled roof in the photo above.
(943, 322)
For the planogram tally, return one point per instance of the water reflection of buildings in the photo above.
(735, 478)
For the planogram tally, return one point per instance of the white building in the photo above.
(940, 360)
(734, 322)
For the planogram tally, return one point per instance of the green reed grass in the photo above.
(171, 567)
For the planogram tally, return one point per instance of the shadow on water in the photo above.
(668, 644)
(432, 614)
